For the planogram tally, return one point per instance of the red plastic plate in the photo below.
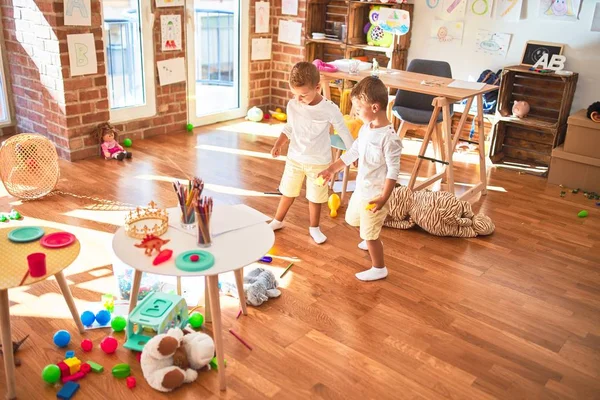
(57, 240)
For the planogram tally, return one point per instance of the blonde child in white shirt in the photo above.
(377, 150)
(310, 117)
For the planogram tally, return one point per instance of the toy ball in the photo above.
(582, 214)
(127, 142)
(109, 345)
(87, 345)
(267, 116)
(196, 320)
(62, 338)
(103, 317)
(118, 323)
(88, 318)
(189, 127)
(51, 373)
(255, 114)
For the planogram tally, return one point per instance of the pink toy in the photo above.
(87, 345)
(109, 146)
(520, 109)
(323, 66)
(109, 344)
(130, 382)
(85, 368)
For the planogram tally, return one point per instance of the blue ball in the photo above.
(62, 338)
(87, 318)
(103, 317)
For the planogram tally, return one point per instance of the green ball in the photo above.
(118, 323)
(196, 320)
(51, 373)
(127, 142)
(582, 214)
(189, 127)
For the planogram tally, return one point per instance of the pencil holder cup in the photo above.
(188, 222)
(203, 232)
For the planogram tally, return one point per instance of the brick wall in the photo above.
(259, 91)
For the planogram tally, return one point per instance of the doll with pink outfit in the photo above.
(108, 145)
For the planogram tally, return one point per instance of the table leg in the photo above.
(239, 282)
(178, 286)
(9, 358)
(481, 131)
(64, 288)
(207, 316)
(447, 129)
(345, 184)
(213, 292)
(135, 290)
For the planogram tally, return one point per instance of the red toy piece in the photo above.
(87, 345)
(109, 344)
(130, 381)
(75, 377)
(64, 369)
(163, 256)
(85, 368)
(194, 257)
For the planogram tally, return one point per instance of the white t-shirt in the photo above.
(378, 153)
(308, 130)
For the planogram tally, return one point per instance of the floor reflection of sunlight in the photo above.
(491, 188)
(240, 152)
(412, 147)
(253, 128)
(107, 217)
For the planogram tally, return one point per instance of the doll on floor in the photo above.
(108, 145)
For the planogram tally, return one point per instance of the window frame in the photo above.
(148, 109)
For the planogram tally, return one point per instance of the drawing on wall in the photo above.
(289, 7)
(262, 17)
(454, 8)
(508, 10)
(78, 12)
(447, 31)
(290, 32)
(492, 43)
(170, 3)
(261, 49)
(480, 8)
(433, 3)
(394, 21)
(596, 19)
(171, 71)
(82, 54)
(564, 10)
(170, 32)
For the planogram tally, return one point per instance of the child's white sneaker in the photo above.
(276, 225)
(372, 274)
(317, 235)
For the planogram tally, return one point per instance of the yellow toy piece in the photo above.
(334, 203)
(370, 206)
(353, 125)
(320, 181)
(74, 364)
(278, 115)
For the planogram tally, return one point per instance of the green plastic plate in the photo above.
(184, 263)
(25, 234)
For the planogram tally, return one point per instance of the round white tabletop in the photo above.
(232, 250)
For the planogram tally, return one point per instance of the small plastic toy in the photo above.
(109, 345)
(64, 369)
(255, 114)
(108, 302)
(95, 366)
(68, 391)
(14, 214)
(118, 323)
(163, 256)
(87, 318)
(334, 203)
(189, 127)
(371, 206)
(70, 354)
(266, 259)
(74, 364)
(196, 320)
(127, 142)
(194, 257)
(151, 243)
(103, 317)
(582, 214)
(51, 373)
(320, 181)
(73, 377)
(121, 371)
(87, 345)
(85, 368)
(62, 338)
(278, 115)
(130, 382)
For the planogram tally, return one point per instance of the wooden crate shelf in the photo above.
(531, 139)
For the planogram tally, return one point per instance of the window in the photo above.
(129, 59)
(4, 111)
(214, 46)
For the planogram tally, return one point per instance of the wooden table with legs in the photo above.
(13, 267)
(232, 251)
(444, 96)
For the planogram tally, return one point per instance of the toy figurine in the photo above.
(109, 146)
(520, 109)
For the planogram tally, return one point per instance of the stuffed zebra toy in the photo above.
(439, 213)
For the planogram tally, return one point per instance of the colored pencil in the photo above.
(24, 278)
(240, 339)
(286, 270)
(240, 313)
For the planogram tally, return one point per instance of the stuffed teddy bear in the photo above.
(259, 286)
(439, 213)
(170, 359)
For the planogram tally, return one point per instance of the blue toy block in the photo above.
(70, 354)
(68, 390)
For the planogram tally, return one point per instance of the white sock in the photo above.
(276, 225)
(363, 245)
(317, 235)
(372, 274)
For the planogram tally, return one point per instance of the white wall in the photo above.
(582, 46)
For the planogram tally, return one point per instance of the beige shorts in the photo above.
(370, 223)
(293, 176)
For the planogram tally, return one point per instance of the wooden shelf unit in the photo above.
(531, 139)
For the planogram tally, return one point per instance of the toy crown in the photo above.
(142, 214)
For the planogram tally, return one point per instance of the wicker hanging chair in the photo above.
(29, 166)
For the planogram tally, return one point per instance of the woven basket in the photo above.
(29, 166)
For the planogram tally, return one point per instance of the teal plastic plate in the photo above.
(25, 234)
(184, 263)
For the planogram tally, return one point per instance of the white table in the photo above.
(232, 250)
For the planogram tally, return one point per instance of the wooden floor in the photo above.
(512, 316)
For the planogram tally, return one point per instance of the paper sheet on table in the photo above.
(458, 84)
(237, 217)
(337, 186)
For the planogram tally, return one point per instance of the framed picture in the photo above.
(535, 50)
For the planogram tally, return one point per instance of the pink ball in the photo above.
(87, 345)
(109, 344)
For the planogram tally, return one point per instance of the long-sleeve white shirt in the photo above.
(378, 153)
(308, 130)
